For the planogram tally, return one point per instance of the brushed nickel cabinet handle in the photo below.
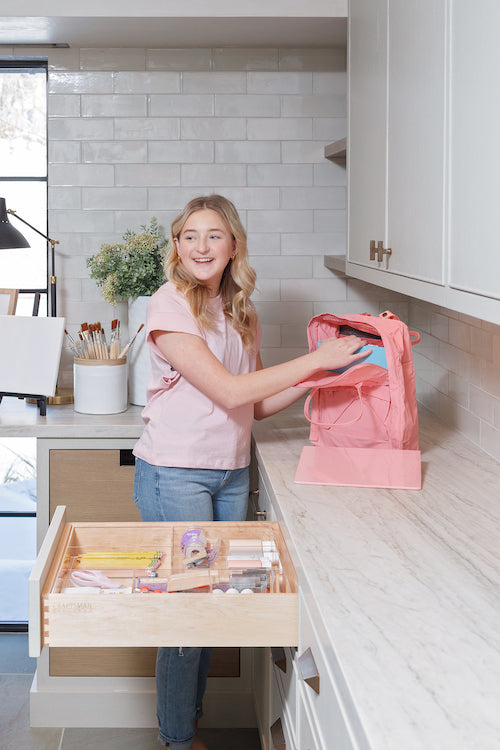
(279, 657)
(277, 736)
(309, 670)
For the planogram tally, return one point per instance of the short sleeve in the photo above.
(168, 311)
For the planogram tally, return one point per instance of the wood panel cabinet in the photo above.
(422, 188)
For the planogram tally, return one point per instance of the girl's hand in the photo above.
(335, 353)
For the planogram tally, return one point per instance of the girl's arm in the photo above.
(190, 356)
(273, 404)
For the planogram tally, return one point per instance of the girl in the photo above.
(207, 384)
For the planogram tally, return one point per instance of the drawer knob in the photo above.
(309, 670)
(277, 736)
(279, 657)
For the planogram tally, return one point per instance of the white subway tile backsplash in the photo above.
(459, 335)
(65, 197)
(182, 152)
(64, 105)
(329, 174)
(294, 335)
(330, 82)
(252, 198)
(300, 244)
(215, 82)
(77, 82)
(329, 129)
(81, 221)
(313, 59)
(280, 221)
(129, 58)
(181, 105)
(310, 289)
(315, 105)
(115, 152)
(284, 312)
(78, 129)
(266, 290)
(178, 59)
(280, 174)
(271, 336)
(147, 175)
(315, 198)
(213, 129)
(118, 198)
(279, 83)
(114, 105)
(330, 221)
(246, 105)
(270, 128)
(81, 174)
(245, 58)
(141, 128)
(302, 151)
(248, 152)
(490, 440)
(222, 175)
(263, 243)
(146, 82)
(282, 267)
(66, 152)
(171, 199)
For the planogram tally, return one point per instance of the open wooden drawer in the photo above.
(203, 613)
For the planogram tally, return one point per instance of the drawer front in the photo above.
(324, 706)
(93, 485)
(307, 736)
(86, 619)
(287, 680)
(282, 735)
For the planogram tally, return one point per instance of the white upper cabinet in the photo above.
(423, 150)
(475, 147)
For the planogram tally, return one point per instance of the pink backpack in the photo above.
(367, 405)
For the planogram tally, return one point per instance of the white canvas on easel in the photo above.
(30, 352)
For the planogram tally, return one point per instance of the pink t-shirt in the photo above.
(183, 427)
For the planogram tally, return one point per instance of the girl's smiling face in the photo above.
(205, 246)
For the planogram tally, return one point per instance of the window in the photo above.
(23, 176)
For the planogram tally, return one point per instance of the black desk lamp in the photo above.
(11, 238)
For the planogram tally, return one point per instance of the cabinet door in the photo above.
(475, 147)
(367, 122)
(416, 138)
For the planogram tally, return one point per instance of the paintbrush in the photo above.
(127, 347)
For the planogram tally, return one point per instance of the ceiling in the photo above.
(154, 32)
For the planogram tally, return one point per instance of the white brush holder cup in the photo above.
(100, 385)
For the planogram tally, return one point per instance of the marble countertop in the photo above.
(21, 419)
(407, 584)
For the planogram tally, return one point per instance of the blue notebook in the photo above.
(376, 357)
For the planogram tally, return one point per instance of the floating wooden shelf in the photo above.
(336, 150)
(335, 263)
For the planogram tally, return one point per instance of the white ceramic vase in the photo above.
(139, 365)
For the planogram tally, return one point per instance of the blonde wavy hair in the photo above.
(238, 279)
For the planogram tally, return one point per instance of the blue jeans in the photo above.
(165, 493)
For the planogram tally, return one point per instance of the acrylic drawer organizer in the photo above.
(183, 605)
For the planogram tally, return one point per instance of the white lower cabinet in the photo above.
(319, 696)
(308, 739)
